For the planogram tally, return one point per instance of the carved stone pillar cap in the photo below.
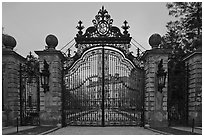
(8, 41)
(51, 41)
(154, 40)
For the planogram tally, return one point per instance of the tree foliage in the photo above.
(185, 34)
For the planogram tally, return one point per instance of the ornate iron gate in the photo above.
(29, 92)
(103, 80)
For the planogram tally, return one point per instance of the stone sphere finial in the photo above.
(8, 41)
(51, 41)
(155, 40)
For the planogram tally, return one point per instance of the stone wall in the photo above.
(194, 64)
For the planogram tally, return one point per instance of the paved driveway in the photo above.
(74, 130)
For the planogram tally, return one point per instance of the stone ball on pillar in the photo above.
(8, 41)
(51, 41)
(155, 40)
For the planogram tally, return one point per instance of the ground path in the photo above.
(77, 130)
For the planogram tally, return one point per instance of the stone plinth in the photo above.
(50, 102)
(155, 102)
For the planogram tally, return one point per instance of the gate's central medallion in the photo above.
(103, 28)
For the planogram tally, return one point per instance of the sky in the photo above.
(30, 23)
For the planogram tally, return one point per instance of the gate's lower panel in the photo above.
(93, 117)
(119, 117)
(84, 118)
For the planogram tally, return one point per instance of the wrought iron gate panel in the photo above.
(122, 95)
(121, 102)
(29, 100)
(29, 92)
(84, 95)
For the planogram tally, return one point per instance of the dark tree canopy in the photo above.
(185, 34)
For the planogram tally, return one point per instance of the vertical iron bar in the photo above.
(98, 85)
(63, 100)
(102, 107)
(168, 92)
(80, 92)
(115, 85)
(143, 98)
(78, 113)
(20, 86)
(193, 125)
(38, 98)
(25, 99)
(68, 112)
(85, 97)
(187, 94)
(110, 90)
(75, 104)
(89, 94)
(81, 101)
(77, 93)
(17, 124)
(3, 70)
(97, 101)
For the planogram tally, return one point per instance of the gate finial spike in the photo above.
(80, 27)
(68, 54)
(138, 52)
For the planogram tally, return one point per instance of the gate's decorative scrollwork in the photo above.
(103, 31)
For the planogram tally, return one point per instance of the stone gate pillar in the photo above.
(50, 102)
(155, 102)
(10, 81)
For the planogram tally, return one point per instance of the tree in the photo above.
(185, 33)
(190, 14)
